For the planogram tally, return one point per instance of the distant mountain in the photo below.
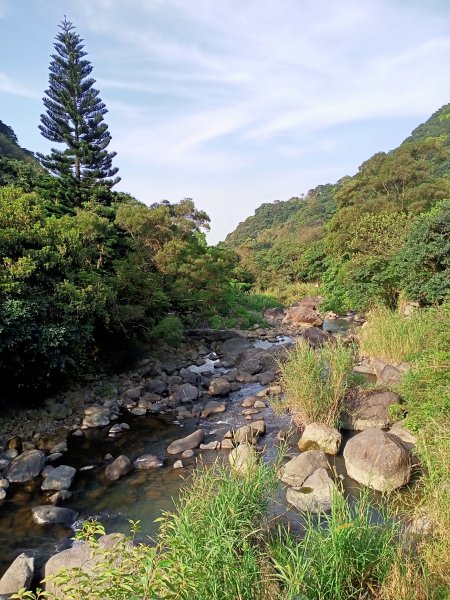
(9, 145)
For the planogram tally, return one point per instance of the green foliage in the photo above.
(424, 261)
(342, 556)
(316, 381)
(74, 117)
(169, 331)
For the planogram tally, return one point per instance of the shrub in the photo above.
(169, 331)
(316, 381)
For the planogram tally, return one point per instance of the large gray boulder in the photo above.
(26, 466)
(59, 479)
(377, 459)
(185, 392)
(318, 436)
(315, 495)
(118, 468)
(18, 576)
(364, 410)
(234, 346)
(302, 466)
(190, 442)
(48, 515)
(219, 387)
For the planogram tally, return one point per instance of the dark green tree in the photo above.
(75, 118)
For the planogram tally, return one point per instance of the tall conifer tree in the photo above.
(74, 117)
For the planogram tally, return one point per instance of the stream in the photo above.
(141, 495)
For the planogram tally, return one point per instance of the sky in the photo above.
(236, 103)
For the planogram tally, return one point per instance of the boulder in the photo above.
(185, 392)
(219, 387)
(213, 407)
(387, 374)
(59, 479)
(76, 557)
(215, 445)
(48, 515)
(377, 459)
(18, 576)
(318, 436)
(316, 337)
(26, 466)
(96, 416)
(187, 443)
(401, 432)
(118, 468)
(246, 434)
(138, 411)
(304, 313)
(259, 426)
(315, 495)
(364, 410)
(243, 458)
(274, 315)
(234, 346)
(250, 366)
(59, 497)
(147, 461)
(299, 468)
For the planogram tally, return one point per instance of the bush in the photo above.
(169, 331)
(316, 381)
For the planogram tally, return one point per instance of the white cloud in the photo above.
(8, 86)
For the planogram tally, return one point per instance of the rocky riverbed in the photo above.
(118, 448)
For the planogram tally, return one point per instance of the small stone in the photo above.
(59, 479)
(243, 458)
(178, 464)
(59, 497)
(124, 426)
(118, 468)
(227, 444)
(2, 494)
(321, 437)
(259, 404)
(250, 411)
(147, 461)
(219, 387)
(188, 454)
(248, 402)
(138, 412)
(210, 446)
(4, 484)
(259, 426)
(108, 457)
(78, 433)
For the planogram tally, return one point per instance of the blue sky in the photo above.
(236, 103)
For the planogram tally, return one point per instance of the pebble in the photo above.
(178, 464)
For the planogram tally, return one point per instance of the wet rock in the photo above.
(243, 458)
(248, 402)
(118, 468)
(210, 446)
(5, 461)
(250, 411)
(124, 426)
(138, 412)
(59, 479)
(213, 407)
(185, 393)
(47, 470)
(96, 416)
(2, 493)
(26, 466)
(18, 576)
(147, 461)
(315, 495)
(259, 426)
(243, 377)
(148, 399)
(267, 377)
(156, 386)
(304, 313)
(189, 442)
(115, 429)
(219, 387)
(78, 433)
(246, 434)
(259, 404)
(250, 366)
(188, 454)
(48, 515)
(76, 557)
(316, 337)
(60, 497)
(317, 436)
(234, 346)
(4, 484)
(303, 466)
(61, 447)
(178, 464)
(364, 410)
(377, 459)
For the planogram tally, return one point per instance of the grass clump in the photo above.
(394, 338)
(316, 381)
(342, 556)
(288, 293)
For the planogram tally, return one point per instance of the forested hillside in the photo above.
(368, 238)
